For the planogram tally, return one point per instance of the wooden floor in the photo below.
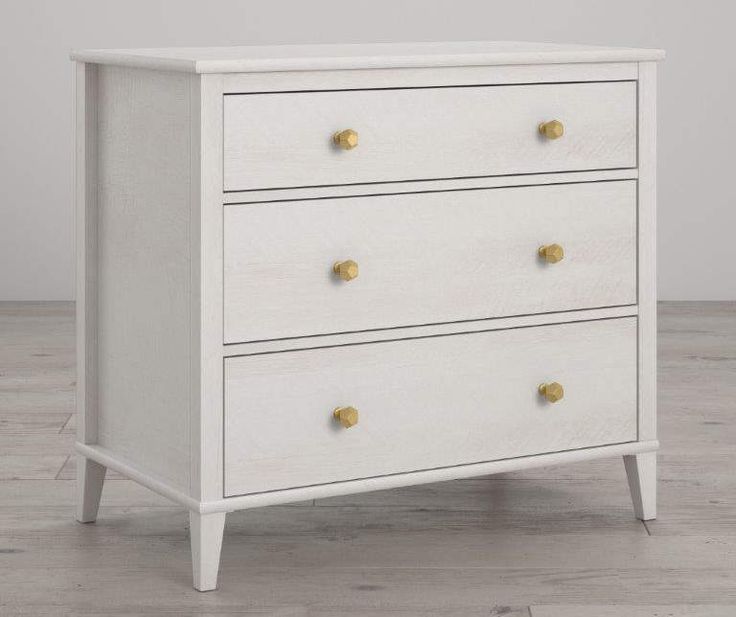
(558, 542)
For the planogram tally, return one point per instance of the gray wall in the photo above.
(697, 210)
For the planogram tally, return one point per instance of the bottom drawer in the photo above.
(426, 403)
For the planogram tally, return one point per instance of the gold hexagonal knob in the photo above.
(347, 139)
(552, 391)
(554, 129)
(347, 416)
(347, 270)
(551, 253)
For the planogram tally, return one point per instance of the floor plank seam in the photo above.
(63, 426)
(58, 473)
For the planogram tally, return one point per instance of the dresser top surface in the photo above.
(258, 59)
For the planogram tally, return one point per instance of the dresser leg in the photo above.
(641, 470)
(206, 531)
(90, 478)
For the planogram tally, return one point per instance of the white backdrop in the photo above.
(697, 120)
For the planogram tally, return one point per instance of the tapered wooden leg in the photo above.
(641, 470)
(90, 478)
(206, 531)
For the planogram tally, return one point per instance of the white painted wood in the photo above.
(199, 384)
(133, 470)
(647, 292)
(144, 287)
(423, 77)
(363, 485)
(206, 285)
(86, 249)
(426, 403)
(427, 186)
(641, 471)
(246, 59)
(412, 332)
(442, 474)
(426, 258)
(90, 475)
(206, 531)
(456, 399)
(90, 478)
(285, 140)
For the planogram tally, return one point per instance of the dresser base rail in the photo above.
(364, 485)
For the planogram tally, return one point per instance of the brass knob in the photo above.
(553, 129)
(551, 253)
(347, 139)
(346, 270)
(552, 391)
(347, 416)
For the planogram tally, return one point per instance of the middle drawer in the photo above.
(426, 258)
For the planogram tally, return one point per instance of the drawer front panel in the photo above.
(285, 139)
(426, 258)
(426, 403)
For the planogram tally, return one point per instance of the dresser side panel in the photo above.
(647, 228)
(144, 261)
(207, 273)
(85, 191)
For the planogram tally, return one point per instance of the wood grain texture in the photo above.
(427, 77)
(426, 258)
(285, 140)
(132, 470)
(647, 250)
(87, 216)
(206, 329)
(19, 423)
(157, 149)
(206, 531)
(641, 471)
(668, 610)
(411, 332)
(90, 478)
(427, 186)
(90, 474)
(267, 58)
(425, 403)
(488, 546)
(68, 471)
(31, 466)
(143, 268)
(416, 478)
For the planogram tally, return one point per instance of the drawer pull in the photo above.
(347, 270)
(551, 253)
(347, 416)
(552, 391)
(554, 129)
(347, 139)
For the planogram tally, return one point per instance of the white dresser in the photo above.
(312, 271)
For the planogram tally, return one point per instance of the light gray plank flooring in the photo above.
(548, 542)
(682, 610)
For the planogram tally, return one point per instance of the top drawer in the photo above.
(283, 140)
